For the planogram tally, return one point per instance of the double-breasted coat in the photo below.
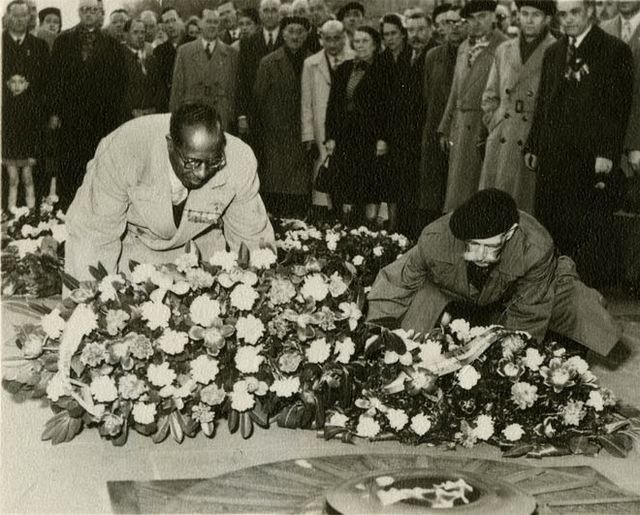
(462, 121)
(281, 154)
(508, 103)
(144, 85)
(529, 289)
(196, 77)
(439, 66)
(316, 85)
(123, 210)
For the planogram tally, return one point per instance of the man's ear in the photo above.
(510, 232)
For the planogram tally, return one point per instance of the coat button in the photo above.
(503, 140)
(530, 93)
(519, 142)
(506, 115)
(507, 91)
(468, 127)
(524, 119)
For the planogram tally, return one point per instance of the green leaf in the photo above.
(547, 450)
(246, 425)
(62, 428)
(333, 431)
(234, 421)
(132, 264)
(291, 416)
(617, 444)
(163, 429)
(175, 425)
(518, 451)
(259, 415)
(583, 445)
(244, 257)
(69, 281)
(39, 308)
(122, 438)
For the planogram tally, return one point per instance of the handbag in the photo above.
(326, 177)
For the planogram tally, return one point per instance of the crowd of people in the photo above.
(403, 118)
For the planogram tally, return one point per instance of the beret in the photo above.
(375, 35)
(294, 20)
(474, 6)
(350, 6)
(485, 214)
(47, 11)
(546, 6)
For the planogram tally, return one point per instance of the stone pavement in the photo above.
(37, 477)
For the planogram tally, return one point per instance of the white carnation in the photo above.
(204, 369)
(484, 427)
(142, 273)
(53, 324)
(285, 387)
(420, 424)
(262, 258)
(173, 342)
(144, 413)
(103, 389)
(513, 432)
(250, 329)
(468, 377)
(225, 260)
(161, 375)
(319, 351)
(367, 427)
(315, 287)
(156, 314)
(243, 297)
(248, 359)
(397, 418)
(344, 349)
(204, 310)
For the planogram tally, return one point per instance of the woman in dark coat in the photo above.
(355, 126)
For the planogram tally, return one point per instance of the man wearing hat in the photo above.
(461, 127)
(351, 15)
(496, 265)
(508, 103)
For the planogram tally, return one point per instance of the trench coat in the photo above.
(196, 77)
(277, 91)
(532, 289)
(123, 210)
(462, 121)
(508, 103)
(316, 85)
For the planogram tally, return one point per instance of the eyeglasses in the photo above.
(88, 9)
(191, 163)
(456, 23)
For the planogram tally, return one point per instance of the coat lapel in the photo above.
(533, 64)
(509, 268)
(481, 65)
(323, 66)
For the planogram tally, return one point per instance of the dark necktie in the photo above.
(270, 42)
(178, 210)
(209, 51)
(571, 51)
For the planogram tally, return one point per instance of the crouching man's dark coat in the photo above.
(533, 289)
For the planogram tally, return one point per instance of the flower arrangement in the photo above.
(175, 348)
(33, 250)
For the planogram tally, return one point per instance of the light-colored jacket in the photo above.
(508, 103)
(123, 210)
(462, 121)
(213, 81)
(316, 85)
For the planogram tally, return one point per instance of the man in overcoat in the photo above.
(508, 103)
(165, 53)
(206, 70)
(317, 75)
(496, 265)
(577, 135)
(285, 174)
(439, 66)
(461, 127)
(88, 84)
(159, 182)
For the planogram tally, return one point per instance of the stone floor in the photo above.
(71, 478)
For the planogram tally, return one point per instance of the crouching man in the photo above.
(498, 265)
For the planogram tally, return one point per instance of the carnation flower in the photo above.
(572, 413)
(139, 345)
(59, 233)
(484, 427)
(199, 279)
(116, 321)
(250, 329)
(512, 345)
(357, 260)
(161, 279)
(142, 273)
(524, 395)
(85, 318)
(367, 427)
(107, 289)
(332, 240)
(460, 328)
(212, 395)
(161, 375)
(186, 261)
(378, 251)
(577, 364)
(344, 349)
(255, 386)
(430, 353)
(53, 324)
(156, 314)
(315, 287)
(532, 359)
(513, 432)
(241, 399)
(57, 387)
(336, 285)
(32, 345)
(397, 418)
(243, 297)
(319, 351)
(468, 377)
(337, 420)
(131, 387)
(204, 310)
(173, 342)
(144, 413)
(285, 387)
(202, 414)
(103, 389)
(289, 362)
(351, 311)
(262, 258)
(248, 359)
(112, 424)
(281, 291)
(225, 260)
(204, 369)
(93, 354)
(420, 424)
(510, 369)
(595, 400)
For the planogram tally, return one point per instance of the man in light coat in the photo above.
(508, 103)
(206, 70)
(495, 265)
(461, 127)
(159, 182)
(317, 76)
